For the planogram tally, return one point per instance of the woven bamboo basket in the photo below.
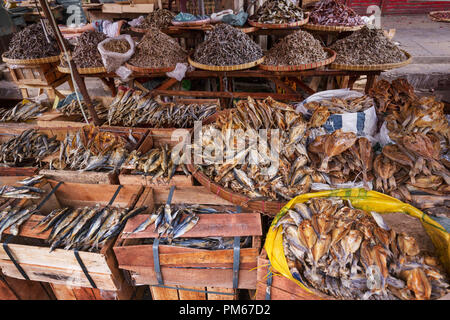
(191, 23)
(317, 27)
(279, 25)
(83, 70)
(373, 67)
(225, 68)
(432, 13)
(306, 66)
(30, 61)
(268, 207)
(148, 70)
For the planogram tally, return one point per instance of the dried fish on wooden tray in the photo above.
(13, 214)
(157, 50)
(85, 228)
(334, 13)
(367, 46)
(225, 45)
(20, 192)
(349, 253)
(29, 147)
(157, 163)
(134, 108)
(73, 109)
(93, 150)
(160, 18)
(339, 105)
(278, 12)
(22, 111)
(295, 49)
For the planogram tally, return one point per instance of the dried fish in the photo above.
(117, 45)
(160, 18)
(22, 111)
(73, 109)
(85, 53)
(278, 12)
(334, 13)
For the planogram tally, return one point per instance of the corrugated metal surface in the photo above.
(399, 6)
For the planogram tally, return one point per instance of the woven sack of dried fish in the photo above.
(336, 243)
(114, 51)
(344, 109)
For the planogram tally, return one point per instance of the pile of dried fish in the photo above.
(22, 112)
(338, 106)
(172, 221)
(30, 146)
(295, 49)
(85, 228)
(334, 13)
(157, 50)
(392, 97)
(161, 18)
(276, 169)
(31, 43)
(13, 215)
(117, 45)
(278, 12)
(342, 157)
(22, 192)
(225, 46)
(135, 108)
(367, 46)
(158, 163)
(94, 150)
(73, 109)
(352, 254)
(85, 53)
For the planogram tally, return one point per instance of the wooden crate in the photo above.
(179, 266)
(60, 266)
(282, 288)
(18, 289)
(127, 176)
(42, 74)
(63, 292)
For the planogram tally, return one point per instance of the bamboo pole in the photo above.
(80, 82)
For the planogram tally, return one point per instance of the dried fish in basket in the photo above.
(225, 46)
(92, 151)
(349, 253)
(161, 18)
(85, 53)
(85, 228)
(278, 12)
(135, 108)
(334, 13)
(30, 147)
(22, 112)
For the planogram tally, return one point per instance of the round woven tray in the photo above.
(30, 61)
(139, 30)
(268, 207)
(438, 19)
(372, 67)
(306, 66)
(318, 27)
(280, 25)
(191, 23)
(83, 70)
(225, 68)
(148, 70)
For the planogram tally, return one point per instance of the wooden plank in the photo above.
(63, 292)
(222, 278)
(191, 295)
(137, 179)
(17, 289)
(163, 293)
(216, 296)
(221, 225)
(195, 194)
(186, 257)
(78, 177)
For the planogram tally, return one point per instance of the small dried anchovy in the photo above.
(160, 18)
(117, 45)
(226, 45)
(86, 54)
(278, 11)
(334, 13)
(297, 48)
(157, 50)
(31, 43)
(367, 46)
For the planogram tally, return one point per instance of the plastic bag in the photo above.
(362, 123)
(360, 199)
(113, 60)
(179, 71)
(236, 20)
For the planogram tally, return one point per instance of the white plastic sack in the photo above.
(179, 72)
(136, 22)
(362, 123)
(383, 136)
(113, 60)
